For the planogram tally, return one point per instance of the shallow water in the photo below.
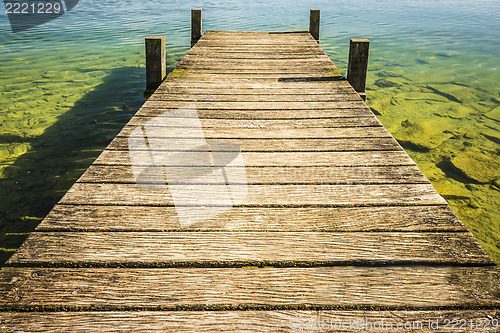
(68, 86)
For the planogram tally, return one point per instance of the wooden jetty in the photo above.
(329, 221)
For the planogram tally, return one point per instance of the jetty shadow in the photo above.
(38, 179)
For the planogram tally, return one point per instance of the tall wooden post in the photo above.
(358, 65)
(195, 25)
(156, 62)
(314, 23)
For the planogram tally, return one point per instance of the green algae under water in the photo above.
(67, 88)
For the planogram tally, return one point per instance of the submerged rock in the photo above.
(384, 83)
(477, 166)
(420, 137)
(494, 114)
(444, 94)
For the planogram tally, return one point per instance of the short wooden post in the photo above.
(358, 65)
(156, 62)
(314, 23)
(195, 25)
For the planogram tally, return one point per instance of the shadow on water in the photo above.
(39, 178)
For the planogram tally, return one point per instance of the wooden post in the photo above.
(358, 64)
(156, 62)
(314, 23)
(195, 25)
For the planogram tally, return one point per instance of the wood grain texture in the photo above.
(245, 288)
(341, 96)
(245, 321)
(254, 105)
(199, 75)
(234, 54)
(310, 157)
(163, 132)
(223, 249)
(99, 173)
(313, 61)
(176, 89)
(254, 195)
(337, 122)
(272, 86)
(297, 113)
(334, 219)
(360, 145)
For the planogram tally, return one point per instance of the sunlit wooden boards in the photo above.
(337, 223)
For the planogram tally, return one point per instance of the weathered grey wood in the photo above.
(226, 249)
(232, 54)
(246, 145)
(246, 321)
(258, 133)
(102, 173)
(195, 98)
(207, 59)
(245, 288)
(196, 26)
(199, 74)
(358, 64)
(235, 90)
(339, 219)
(314, 16)
(313, 157)
(337, 122)
(156, 62)
(253, 106)
(256, 195)
(215, 67)
(273, 86)
(205, 112)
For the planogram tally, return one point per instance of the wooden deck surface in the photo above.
(333, 220)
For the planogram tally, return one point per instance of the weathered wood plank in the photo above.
(162, 132)
(310, 63)
(294, 39)
(238, 34)
(196, 98)
(364, 121)
(267, 43)
(273, 175)
(359, 145)
(311, 158)
(232, 54)
(236, 71)
(179, 77)
(200, 75)
(230, 90)
(268, 288)
(249, 106)
(254, 195)
(249, 321)
(147, 218)
(264, 86)
(206, 59)
(222, 249)
(217, 113)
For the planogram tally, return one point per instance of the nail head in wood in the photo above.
(156, 62)
(314, 23)
(195, 26)
(358, 63)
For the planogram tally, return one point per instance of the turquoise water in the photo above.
(68, 86)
